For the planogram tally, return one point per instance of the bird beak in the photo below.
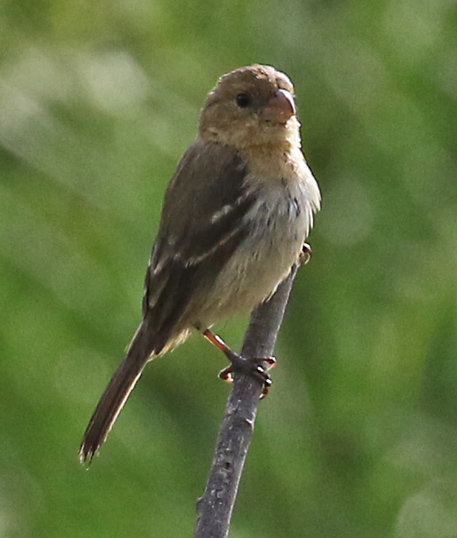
(280, 108)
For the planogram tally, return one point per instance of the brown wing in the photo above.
(202, 226)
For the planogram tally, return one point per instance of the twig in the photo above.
(215, 507)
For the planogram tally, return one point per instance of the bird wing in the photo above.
(203, 223)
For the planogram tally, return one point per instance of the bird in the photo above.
(234, 219)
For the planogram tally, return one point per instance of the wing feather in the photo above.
(203, 223)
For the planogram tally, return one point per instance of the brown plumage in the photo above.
(234, 219)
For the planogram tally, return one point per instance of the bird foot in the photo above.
(305, 254)
(254, 367)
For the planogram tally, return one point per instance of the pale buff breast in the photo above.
(279, 223)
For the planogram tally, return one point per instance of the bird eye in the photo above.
(243, 100)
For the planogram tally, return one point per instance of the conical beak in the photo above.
(280, 108)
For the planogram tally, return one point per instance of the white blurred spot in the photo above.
(431, 513)
(114, 80)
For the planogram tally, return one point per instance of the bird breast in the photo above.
(278, 223)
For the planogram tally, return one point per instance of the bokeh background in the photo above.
(358, 438)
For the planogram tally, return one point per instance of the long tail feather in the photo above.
(116, 393)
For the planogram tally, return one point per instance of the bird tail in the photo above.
(116, 393)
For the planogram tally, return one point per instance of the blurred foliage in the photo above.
(359, 436)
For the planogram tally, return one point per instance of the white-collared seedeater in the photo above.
(235, 217)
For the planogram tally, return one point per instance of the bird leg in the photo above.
(257, 367)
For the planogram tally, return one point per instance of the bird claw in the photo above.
(305, 254)
(256, 368)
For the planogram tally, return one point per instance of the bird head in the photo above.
(250, 106)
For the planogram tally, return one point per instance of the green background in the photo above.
(358, 438)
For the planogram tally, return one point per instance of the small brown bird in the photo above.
(235, 216)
